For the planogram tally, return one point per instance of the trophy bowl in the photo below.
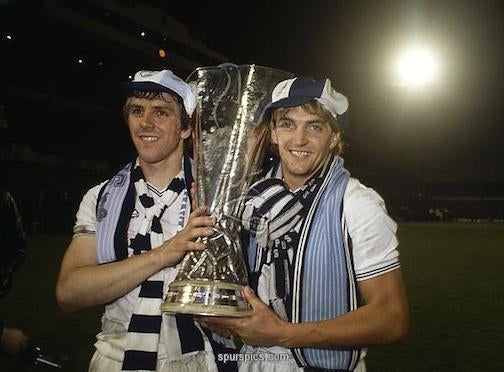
(229, 145)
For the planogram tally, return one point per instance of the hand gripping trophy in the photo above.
(228, 151)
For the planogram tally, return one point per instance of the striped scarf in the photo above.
(273, 216)
(145, 324)
(305, 275)
(116, 202)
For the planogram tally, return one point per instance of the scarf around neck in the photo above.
(299, 272)
(114, 210)
(275, 216)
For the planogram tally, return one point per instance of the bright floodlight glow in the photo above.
(416, 67)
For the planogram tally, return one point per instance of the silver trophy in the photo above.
(228, 150)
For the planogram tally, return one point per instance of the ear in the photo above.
(335, 138)
(185, 133)
(273, 134)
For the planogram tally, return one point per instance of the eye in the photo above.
(136, 111)
(316, 127)
(163, 113)
(285, 124)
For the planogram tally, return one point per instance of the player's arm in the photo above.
(83, 282)
(382, 320)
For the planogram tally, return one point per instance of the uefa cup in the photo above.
(228, 152)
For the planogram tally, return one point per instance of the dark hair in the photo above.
(150, 95)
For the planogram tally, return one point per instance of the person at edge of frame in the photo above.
(130, 233)
(13, 245)
(325, 277)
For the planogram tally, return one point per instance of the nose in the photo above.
(147, 120)
(299, 136)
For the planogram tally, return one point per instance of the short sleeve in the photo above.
(372, 231)
(85, 222)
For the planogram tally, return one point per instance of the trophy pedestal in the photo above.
(206, 298)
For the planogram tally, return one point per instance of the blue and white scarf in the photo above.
(300, 254)
(114, 210)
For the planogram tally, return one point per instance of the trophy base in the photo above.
(206, 298)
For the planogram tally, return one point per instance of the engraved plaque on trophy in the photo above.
(228, 151)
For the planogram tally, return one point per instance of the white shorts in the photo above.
(190, 363)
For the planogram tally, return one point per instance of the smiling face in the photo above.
(304, 141)
(156, 129)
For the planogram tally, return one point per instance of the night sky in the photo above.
(448, 132)
(444, 137)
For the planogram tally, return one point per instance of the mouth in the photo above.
(300, 154)
(149, 139)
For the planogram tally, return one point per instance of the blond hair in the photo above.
(315, 108)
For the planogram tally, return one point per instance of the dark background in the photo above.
(439, 148)
(444, 140)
